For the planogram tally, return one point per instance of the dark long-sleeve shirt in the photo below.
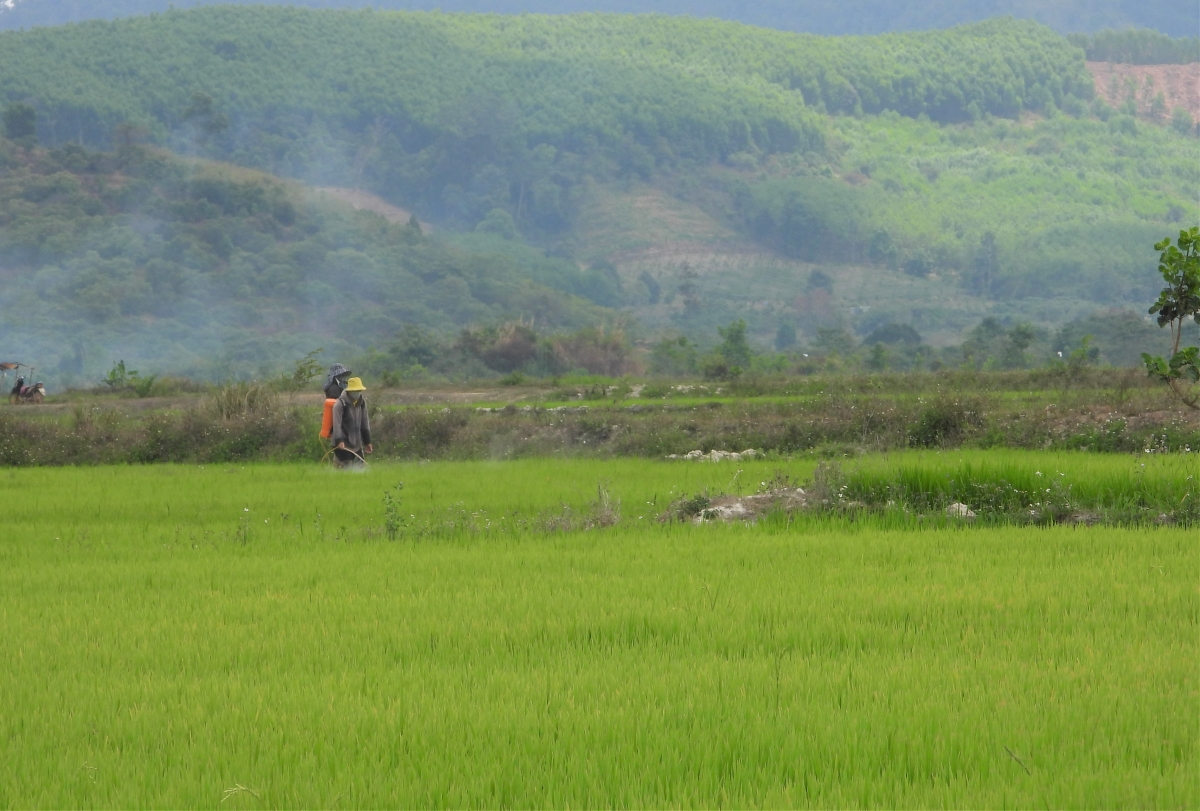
(351, 423)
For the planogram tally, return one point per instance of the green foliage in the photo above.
(1047, 489)
(877, 358)
(1056, 209)
(498, 222)
(834, 341)
(118, 377)
(992, 346)
(1138, 46)
(1179, 265)
(1182, 123)
(307, 369)
(122, 380)
(20, 122)
(514, 349)
(944, 422)
(809, 218)
(716, 367)
(1183, 365)
(1082, 356)
(674, 357)
(463, 115)
(1118, 336)
(785, 336)
(1061, 207)
(393, 521)
(733, 346)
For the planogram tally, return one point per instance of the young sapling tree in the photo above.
(1179, 265)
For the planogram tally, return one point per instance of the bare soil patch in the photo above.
(365, 201)
(1179, 84)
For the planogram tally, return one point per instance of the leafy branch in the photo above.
(307, 369)
(120, 379)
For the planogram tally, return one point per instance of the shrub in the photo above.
(235, 400)
(945, 422)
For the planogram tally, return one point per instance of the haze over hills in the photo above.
(202, 268)
(681, 173)
(1175, 17)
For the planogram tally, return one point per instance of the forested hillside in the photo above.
(685, 172)
(460, 115)
(206, 269)
(1176, 17)
(1138, 47)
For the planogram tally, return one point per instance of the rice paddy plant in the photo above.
(248, 637)
(1049, 486)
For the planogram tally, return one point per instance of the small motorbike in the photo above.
(27, 395)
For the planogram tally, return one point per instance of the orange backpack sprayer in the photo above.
(335, 384)
(327, 419)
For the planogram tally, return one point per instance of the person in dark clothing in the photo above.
(335, 381)
(351, 435)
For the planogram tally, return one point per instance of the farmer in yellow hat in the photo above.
(351, 425)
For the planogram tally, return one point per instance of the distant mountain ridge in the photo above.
(1175, 17)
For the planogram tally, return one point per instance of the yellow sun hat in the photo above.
(355, 384)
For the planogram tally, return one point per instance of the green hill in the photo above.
(699, 171)
(197, 268)
(459, 115)
(916, 223)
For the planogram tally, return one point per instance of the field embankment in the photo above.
(822, 417)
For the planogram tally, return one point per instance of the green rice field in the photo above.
(267, 636)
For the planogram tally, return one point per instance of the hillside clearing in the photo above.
(365, 201)
(1179, 84)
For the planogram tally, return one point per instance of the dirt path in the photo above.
(365, 201)
(1179, 84)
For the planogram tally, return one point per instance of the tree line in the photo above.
(1138, 47)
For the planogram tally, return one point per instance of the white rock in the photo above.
(727, 512)
(960, 510)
